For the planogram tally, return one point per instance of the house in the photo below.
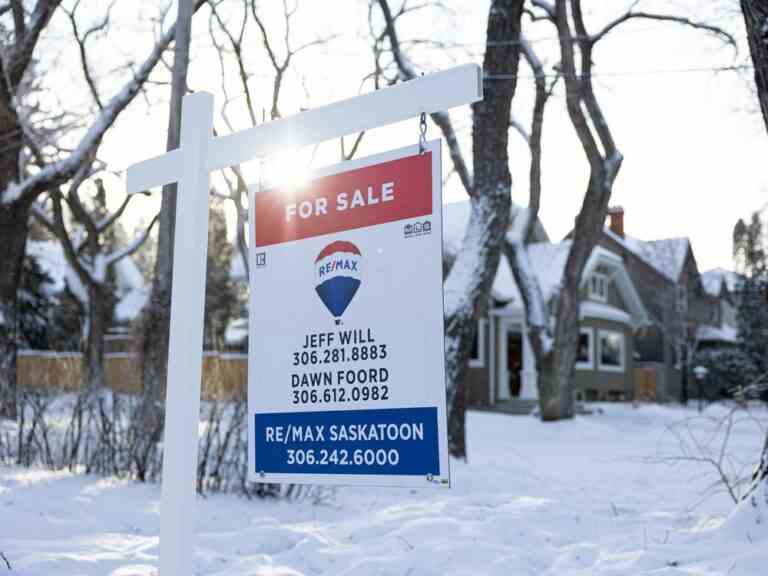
(718, 329)
(130, 290)
(612, 313)
(684, 306)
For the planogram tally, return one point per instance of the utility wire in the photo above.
(652, 72)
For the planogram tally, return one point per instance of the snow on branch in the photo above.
(536, 310)
(548, 7)
(62, 170)
(520, 129)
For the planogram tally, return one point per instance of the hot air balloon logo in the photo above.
(338, 276)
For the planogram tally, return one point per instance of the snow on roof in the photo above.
(504, 285)
(590, 309)
(717, 334)
(456, 217)
(713, 280)
(131, 294)
(548, 263)
(236, 331)
(667, 256)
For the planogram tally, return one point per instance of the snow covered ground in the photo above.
(592, 496)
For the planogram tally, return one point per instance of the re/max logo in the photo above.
(334, 265)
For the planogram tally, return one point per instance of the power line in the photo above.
(651, 72)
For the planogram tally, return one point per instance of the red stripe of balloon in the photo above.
(338, 246)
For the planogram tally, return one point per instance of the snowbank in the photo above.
(586, 497)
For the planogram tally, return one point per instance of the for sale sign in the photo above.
(346, 380)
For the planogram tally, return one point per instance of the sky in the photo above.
(694, 144)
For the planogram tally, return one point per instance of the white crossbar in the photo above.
(435, 92)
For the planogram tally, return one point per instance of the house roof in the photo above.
(714, 280)
(548, 262)
(456, 218)
(131, 290)
(725, 333)
(667, 256)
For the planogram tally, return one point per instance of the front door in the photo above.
(514, 362)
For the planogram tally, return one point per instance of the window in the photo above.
(610, 353)
(477, 356)
(585, 357)
(598, 287)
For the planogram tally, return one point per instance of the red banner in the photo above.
(386, 192)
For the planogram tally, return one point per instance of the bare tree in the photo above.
(156, 318)
(229, 39)
(755, 14)
(556, 354)
(29, 166)
(516, 241)
(468, 283)
(281, 64)
(92, 257)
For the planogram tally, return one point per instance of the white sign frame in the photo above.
(396, 480)
(199, 153)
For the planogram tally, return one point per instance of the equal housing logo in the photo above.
(417, 229)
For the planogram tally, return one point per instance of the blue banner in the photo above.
(379, 442)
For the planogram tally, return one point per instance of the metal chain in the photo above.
(422, 133)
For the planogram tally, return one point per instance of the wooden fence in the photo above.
(224, 374)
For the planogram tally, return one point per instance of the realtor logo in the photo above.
(338, 276)
(261, 259)
(417, 229)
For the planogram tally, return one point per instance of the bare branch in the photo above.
(62, 170)
(2, 556)
(19, 25)
(107, 222)
(82, 39)
(264, 36)
(58, 228)
(21, 53)
(355, 145)
(237, 48)
(441, 119)
(115, 257)
(632, 15)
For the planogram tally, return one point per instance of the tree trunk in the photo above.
(756, 21)
(470, 279)
(13, 236)
(555, 388)
(94, 352)
(14, 222)
(157, 317)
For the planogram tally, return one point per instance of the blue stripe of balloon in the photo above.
(336, 293)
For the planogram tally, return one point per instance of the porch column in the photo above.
(528, 375)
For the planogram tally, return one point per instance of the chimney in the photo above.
(617, 220)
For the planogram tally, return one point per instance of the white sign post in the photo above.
(190, 165)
